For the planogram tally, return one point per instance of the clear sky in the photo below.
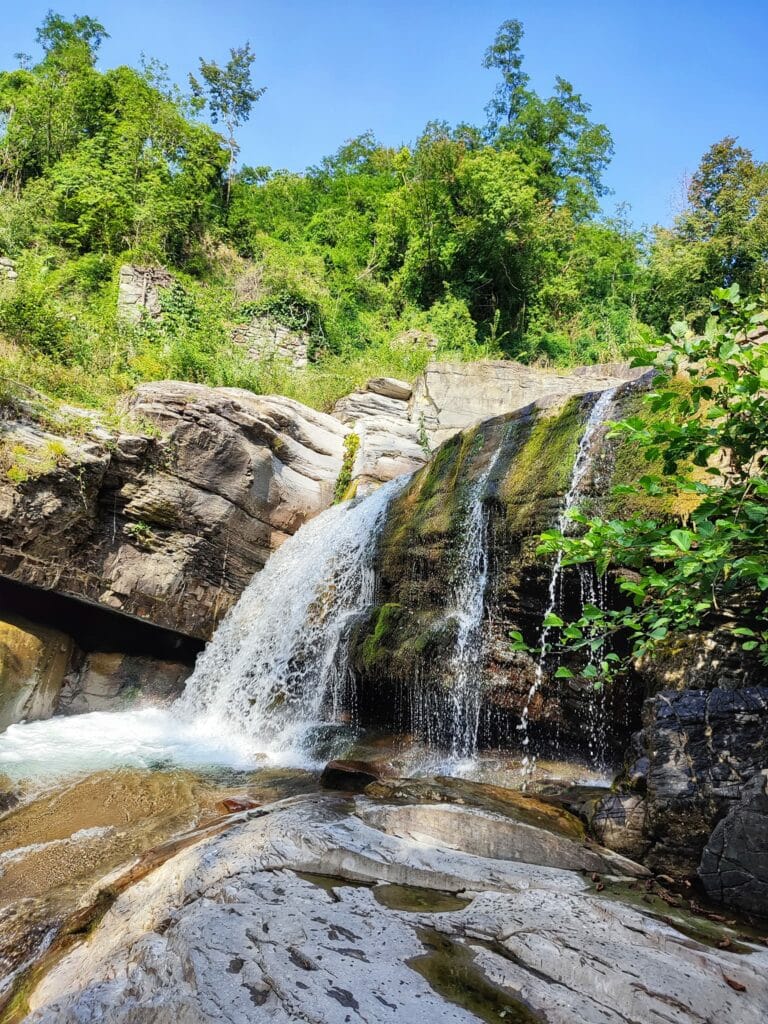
(668, 77)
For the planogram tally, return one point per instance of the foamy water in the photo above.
(270, 685)
(145, 738)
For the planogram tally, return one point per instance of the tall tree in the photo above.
(511, 94)
(56, 34)
(567, 150)
(230, 94)
(720, 239)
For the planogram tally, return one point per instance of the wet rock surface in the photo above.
(228, 931)
(403, 652)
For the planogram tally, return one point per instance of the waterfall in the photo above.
(581, 465)
(276, 667)
(469, 583)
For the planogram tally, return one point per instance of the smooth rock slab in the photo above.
(484, 834)
(225, 933)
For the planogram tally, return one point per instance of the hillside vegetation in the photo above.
(487, 237)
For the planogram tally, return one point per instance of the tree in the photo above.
(511, 94)
(555, 136)
(720, 239)
(707, 440)
(56, 34)
(230, 95)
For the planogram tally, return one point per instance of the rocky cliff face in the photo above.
(688, 766)
(449, 397)
(518, 466)
(170, 523)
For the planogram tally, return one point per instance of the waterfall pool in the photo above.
(148, 738)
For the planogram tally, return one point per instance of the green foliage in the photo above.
(342, 488)
(720, 239)
(710, 567)
(486, 239)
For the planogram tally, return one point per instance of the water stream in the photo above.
(470, 581)
(581, 466)
(273, 686)
(270, 687)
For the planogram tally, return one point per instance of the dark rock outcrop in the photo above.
(692, 760)
(402, 652)
(734, 865)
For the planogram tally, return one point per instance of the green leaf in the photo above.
(563, 673)
(552, 621)
(682, 539)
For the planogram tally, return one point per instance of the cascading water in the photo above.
(470, 580)
(581, 466)
(273, 675)
(448, 716)
(277, 665)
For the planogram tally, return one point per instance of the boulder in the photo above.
(619, 821)
(227, 932)
(33, 663)
(734, 865)
(390, 387)
(702, 747)
(360, 404)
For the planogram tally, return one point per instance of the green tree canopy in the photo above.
(720, 239)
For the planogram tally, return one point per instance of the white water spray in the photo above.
(276, 667)
(469, 585)
(580, 467)
(274, 674)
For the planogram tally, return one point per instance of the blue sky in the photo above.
(668, 78)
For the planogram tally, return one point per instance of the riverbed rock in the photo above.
(33, 663)
(497, 837)
(351, 776)
(227, 931)
(734, 865)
